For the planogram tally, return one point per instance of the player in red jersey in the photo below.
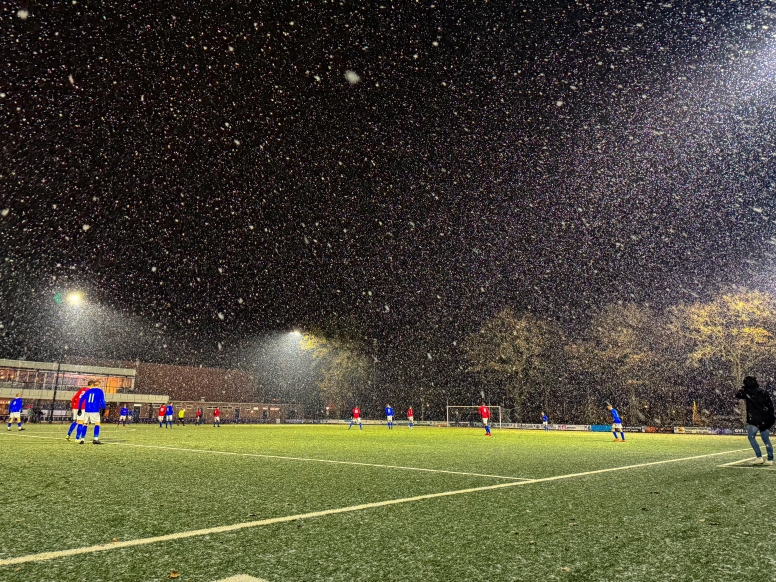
(356, 418)
(410, 416)
(485, 414)
(162, 412)
(74, 407)
(217, 417)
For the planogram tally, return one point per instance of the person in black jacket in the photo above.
(759, 417)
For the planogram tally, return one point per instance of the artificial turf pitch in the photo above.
(553, 516)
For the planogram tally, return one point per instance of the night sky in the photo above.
(209, 173)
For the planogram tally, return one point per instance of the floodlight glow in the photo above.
(74, 298)
(296, 333)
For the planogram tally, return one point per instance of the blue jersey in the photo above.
(93, 400)
(615, 416)
(544, 418)
(388, 411)
(16, 405)
(123, 411)
(169, 410)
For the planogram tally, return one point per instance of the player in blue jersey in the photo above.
(616, 423)
(15, 412)
(389, 416)
(545, 422)
(168, 420)
(89, 407)
(123, 413)
(74, 408)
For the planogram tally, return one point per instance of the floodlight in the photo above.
(75, 298)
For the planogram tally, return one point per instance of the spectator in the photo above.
(759, 417)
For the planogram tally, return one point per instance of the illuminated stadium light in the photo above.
(75, 298)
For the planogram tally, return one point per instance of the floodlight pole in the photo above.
(54, 398)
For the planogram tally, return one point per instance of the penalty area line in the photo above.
(300, 459)
(44, 556)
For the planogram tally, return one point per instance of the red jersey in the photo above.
(216, 413)
(75, 399)
(162, 410)
(484, 412)
(199, 413)
(409, 412)
(356, 412)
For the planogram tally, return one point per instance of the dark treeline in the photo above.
(656, 367)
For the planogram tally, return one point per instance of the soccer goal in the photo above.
(469, 416)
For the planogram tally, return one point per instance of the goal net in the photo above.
(469, 416)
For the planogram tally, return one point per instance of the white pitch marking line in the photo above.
(747, 460)
(310, 460)
(43, 556)
(242, 578)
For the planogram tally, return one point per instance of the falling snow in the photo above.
(410, 170)
(352, 77)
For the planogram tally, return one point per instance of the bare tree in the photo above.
(522, 351)
(344, 363)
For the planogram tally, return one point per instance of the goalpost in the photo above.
(467, 416)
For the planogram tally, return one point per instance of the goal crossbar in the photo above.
(470, 415)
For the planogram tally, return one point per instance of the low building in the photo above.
(41, 383)
(25, 375)
(142, 387)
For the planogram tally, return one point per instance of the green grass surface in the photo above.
(689, 520)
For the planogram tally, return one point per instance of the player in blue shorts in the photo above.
(616, 423)
(89, 407)
(15, 412)
(545, 422)
(389, 416)
(168, 419)
(356, 418)
(123, 413)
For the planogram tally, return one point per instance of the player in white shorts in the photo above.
(77, 420)
(90, 405)
(15, 412)
(389, 416)
(123, 415)
(616, 423)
